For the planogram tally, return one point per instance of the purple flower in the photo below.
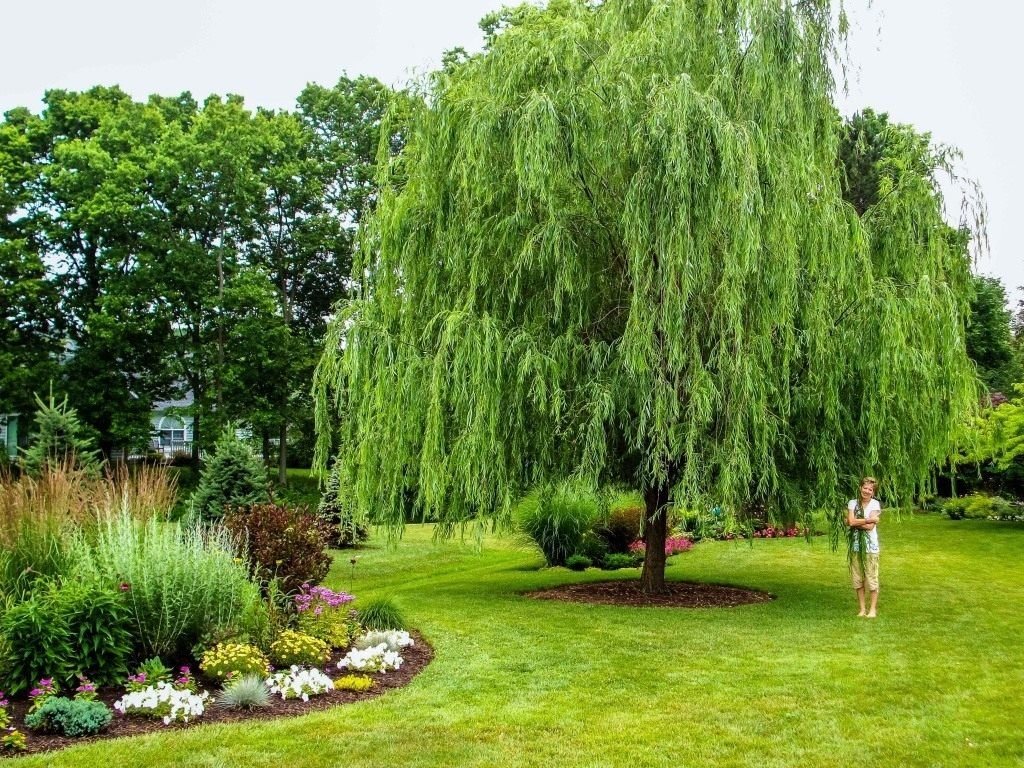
(35, 692)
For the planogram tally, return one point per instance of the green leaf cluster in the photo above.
(35, 642)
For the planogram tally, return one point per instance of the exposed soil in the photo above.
(416, 658)
(678, 594)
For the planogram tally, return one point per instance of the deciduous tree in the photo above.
(618, 250)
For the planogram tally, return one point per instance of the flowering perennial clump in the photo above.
(297, 683)
(234, 659)
(186, 681)
(165, 701)
(375, 659)
(673, 546)
(394, 639)
(772, 532)
(86, 690)
(317, 599)
(322, 613)
(296, 648)
(45, 689)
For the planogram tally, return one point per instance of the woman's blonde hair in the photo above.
(869, 479)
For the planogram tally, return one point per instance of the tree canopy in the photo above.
(616, 247)
(150, 249)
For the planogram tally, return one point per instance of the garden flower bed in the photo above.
(415, 659)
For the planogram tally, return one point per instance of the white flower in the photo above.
(299, 683)
(392, 638)
(375, 659)
(164, 701)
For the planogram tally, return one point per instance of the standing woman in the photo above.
(862, 516)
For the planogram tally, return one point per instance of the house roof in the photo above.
(183, 402)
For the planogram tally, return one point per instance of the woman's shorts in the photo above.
(869, 573)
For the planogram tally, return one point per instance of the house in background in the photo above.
(172, 431)
(11, 439)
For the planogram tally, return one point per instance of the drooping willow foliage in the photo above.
(615, 248)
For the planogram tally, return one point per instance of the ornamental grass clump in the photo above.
(297, 649)
(245, 692)
(298, 683)
(163, 701)
(233, 660)
(382, 614)
(557, 519)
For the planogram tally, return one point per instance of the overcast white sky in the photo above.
(949, 66)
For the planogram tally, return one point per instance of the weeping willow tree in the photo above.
(615, 249)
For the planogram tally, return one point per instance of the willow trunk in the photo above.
(652, 579)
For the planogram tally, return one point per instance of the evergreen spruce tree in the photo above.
(346, 531)
(615, 248)
(233, 477)
(59, 440)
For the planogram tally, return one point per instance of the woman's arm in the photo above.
(856, 522)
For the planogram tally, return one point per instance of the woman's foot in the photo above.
(862, 612)
(872, 615)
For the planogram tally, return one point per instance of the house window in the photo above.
(170, 437)
(172, 432)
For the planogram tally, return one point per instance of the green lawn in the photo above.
(936, 680)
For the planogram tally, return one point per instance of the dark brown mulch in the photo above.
(416, 659)
(678, 594)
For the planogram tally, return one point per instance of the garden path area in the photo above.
(936, 680)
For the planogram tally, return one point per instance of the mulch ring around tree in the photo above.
(416, 658)
(678, 594)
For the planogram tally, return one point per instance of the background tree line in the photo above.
(150, 249)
